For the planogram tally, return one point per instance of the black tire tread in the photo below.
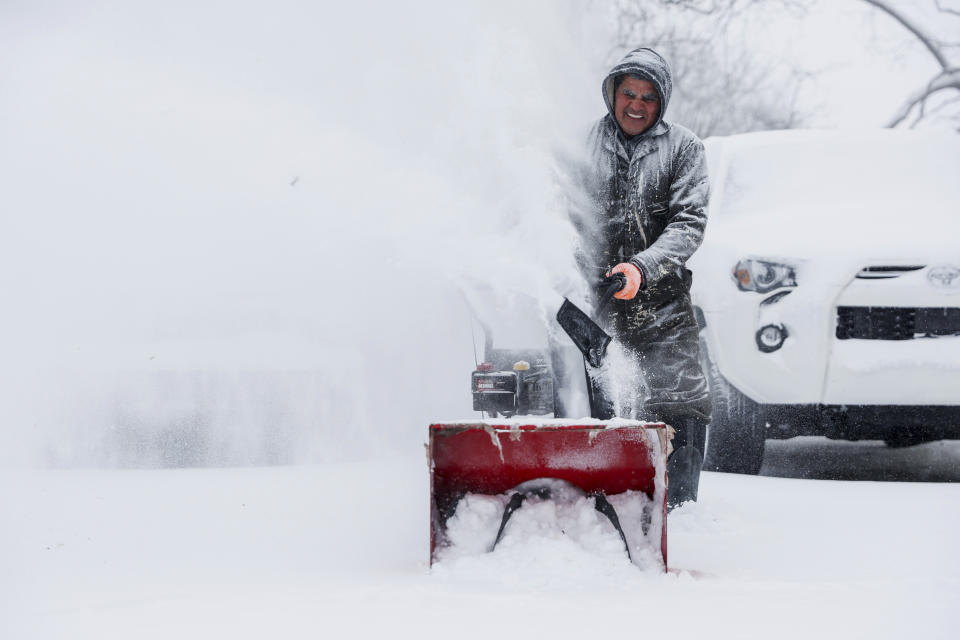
(735, 440)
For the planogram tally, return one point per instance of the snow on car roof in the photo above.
(831, 193)
(833, 136)
(882, 171)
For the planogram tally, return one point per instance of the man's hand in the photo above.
(634, 280)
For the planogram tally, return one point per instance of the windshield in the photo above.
(820, 173)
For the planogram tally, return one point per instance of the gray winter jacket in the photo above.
(650, 208)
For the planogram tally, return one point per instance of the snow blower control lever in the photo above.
(590, 338)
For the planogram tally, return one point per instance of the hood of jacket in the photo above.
(649, 65)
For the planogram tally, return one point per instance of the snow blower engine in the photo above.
(508, 385)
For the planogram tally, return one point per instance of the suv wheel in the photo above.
(735, 436)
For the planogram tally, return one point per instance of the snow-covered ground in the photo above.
(340, 550)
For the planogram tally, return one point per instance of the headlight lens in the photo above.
(762, 276)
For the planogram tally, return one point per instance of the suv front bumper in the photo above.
(863, 422)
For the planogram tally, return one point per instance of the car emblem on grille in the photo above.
(944, 276)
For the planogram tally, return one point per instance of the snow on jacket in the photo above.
(650, 208)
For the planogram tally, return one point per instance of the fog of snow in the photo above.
(256, 232)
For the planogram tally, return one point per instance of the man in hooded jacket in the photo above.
(648, 182)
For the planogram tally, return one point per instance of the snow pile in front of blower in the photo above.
(564, 535)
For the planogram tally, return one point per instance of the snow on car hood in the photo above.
(833, 196)
(918, 231)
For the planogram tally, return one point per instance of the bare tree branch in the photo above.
(949, 76)
(943, 9)
(943, 105)
(720, 85)
(909, 25)
(949, 79)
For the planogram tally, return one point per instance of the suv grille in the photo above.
(896, 323)
(881, 272)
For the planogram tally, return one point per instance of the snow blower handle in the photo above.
(590, 338)
(607, 288)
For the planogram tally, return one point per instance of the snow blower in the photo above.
(618, 467)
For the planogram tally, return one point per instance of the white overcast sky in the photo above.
(864, 62)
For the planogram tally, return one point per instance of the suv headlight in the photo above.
(762, 276)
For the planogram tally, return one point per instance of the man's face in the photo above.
(636, 105)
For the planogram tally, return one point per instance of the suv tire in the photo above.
(735, 435)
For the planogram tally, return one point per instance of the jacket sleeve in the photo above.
(689, 192)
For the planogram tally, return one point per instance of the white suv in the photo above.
(828, 289)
